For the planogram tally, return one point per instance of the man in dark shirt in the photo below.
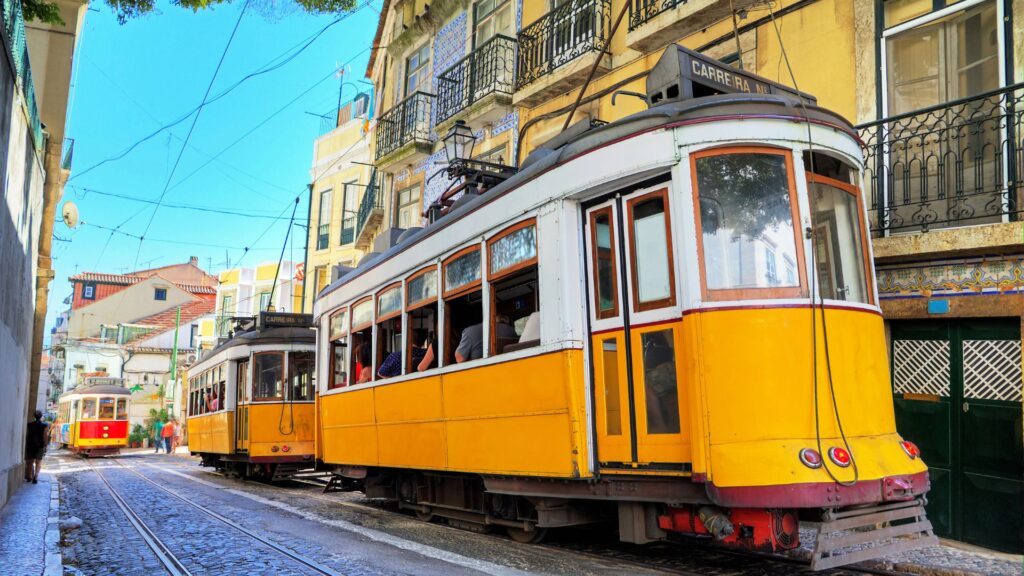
(35, 447)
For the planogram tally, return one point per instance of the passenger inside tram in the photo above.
(515, 301)
(464, 316)
(364, 366)
(423, 324)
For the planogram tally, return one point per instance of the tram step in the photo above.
(852, 536)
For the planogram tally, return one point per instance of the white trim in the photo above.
(936, 15)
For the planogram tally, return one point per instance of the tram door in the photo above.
(636, 337)
(241, 407)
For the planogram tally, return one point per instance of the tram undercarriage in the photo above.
(249, 468)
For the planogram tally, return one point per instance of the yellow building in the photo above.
(344, 206)
(248, 291)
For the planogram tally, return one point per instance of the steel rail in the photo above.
(170, 562)
(312, 564)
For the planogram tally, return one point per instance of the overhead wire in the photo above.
(177, 206)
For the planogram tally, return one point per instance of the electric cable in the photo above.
(177, 206)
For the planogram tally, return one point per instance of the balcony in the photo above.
(370, 215)
(14, 35)
(653, 24)
(405, 129)
(946, 170)
(557, 50)
(67, 154)
(478, 83)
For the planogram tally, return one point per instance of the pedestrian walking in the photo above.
(176, 439)
(35, 447)
(158, 438)
(167, 433)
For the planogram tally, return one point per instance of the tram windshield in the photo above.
(300, 375)
(838, 242)
(122, 408)
(88, 409)
(106, 408)
(269, 381)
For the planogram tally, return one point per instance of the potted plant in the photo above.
(136, 436)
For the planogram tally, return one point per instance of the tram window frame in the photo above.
(85, 402)
(120, 414)
(414, 311)
(254, 383)
(454, 297)
(600, 313)
(364, 332)
(337, 340)
(631, 204)
(386, 323)
(307, 386)
(519, 271)
(757, 293)
(105, 400)
(855, 191)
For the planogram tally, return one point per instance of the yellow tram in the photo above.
(671, 320)
(251, 399)
(92, 419)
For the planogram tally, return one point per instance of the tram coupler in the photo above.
(749, 528)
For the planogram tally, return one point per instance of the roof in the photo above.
(101, 389)
(289, 335)
(165, 320)
(131, 279)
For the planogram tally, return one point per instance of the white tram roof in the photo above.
(285, 337)
(583, 137)
(101, 390)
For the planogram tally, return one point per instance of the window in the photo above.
(746, 205)
(491, 17)
(408, 213)
(602, 238)
(771, 273)
(661, 392)
(494, 155)
(264, 301)
(106, 408)
(108, 333)
(839, 249)
(321, 278)
(323, 237)
(421, 309)
(269, 376)
(361, 340)
(88, 409)
(417, 75)
(512, 272)
(612, 397)
(349, 211)
(651, 247)
(463, 300)
(89, 291)
(339, 349)
(300, 375)
(160, 294)
(389, 331)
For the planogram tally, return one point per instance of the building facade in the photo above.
(244, 292)
(933, 89)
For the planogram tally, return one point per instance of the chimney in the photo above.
(193, 260)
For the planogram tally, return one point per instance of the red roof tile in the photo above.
(164, 321)
(122, 279)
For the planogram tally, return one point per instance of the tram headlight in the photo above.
(810, 458)
(911, 449)
(839, 456)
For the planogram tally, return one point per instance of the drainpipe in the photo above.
(53, 188)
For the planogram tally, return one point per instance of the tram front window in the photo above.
(838, 241)
(122, 409)
(269, 376)
(746, 221)
(106, 409)
(300, 375)
(88, 409)
(339, 350)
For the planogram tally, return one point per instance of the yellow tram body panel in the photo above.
(212, 433)
(533, 408)
(279, 424)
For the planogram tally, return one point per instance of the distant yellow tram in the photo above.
(251, 399)
(92, 419)
(670, 320)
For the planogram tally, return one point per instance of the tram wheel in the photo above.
(425, 516)
(526, 537)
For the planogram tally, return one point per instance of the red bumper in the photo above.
(821, 494)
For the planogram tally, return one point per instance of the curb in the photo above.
(54, 557)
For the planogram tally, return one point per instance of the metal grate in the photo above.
(569, 31)
(488, 69)
(921, 367)
(992, 370)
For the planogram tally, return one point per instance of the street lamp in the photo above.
(458, 144)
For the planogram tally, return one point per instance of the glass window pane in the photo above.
(362, 313)
(838, 247)
(899, 11)
(339, 352)
(604, 246)
(463, 270)
(300, 375)
(650, 244)
(423, 286)
(612, 405)
(88, 409)
(106, 408)
(122, 409)
(269, 376)
(745, 214)
(339, 324)
(660, 388)
(514, 248)
(914, 68)
(390, 301)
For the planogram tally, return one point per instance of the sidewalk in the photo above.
(30, 532)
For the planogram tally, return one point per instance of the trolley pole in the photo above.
(174, 359)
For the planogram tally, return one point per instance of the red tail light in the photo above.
(839, 456)
(810, 458)
(911, 449)
(286, 448)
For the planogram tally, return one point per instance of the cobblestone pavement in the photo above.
(22, 529)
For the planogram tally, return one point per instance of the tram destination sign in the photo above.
(682, 74)
(284, 320)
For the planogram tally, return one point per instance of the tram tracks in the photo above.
(174, 565)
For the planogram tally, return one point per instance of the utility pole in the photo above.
(174, 359)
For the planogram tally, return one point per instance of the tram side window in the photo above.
(269, 384)
(88, 409)
(300, 375)
(361, 340)
(747, 222)
(122, 409)
(463, 300)
(512, 271)
(106, 408)
(421, 306)
(605, 279)
(339, 350)
(389, 332)
(661, 391)
(651, 249)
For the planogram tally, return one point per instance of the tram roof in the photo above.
(581, 138)
(102, 389)
(285, 335)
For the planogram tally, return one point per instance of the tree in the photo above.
(49, 13)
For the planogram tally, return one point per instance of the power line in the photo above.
(116, 230)
(208, 209)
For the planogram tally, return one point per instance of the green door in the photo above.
(957, 389)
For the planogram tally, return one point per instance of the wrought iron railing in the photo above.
(560, 36)
(323, 236)
(14, 34)
(488, 69)
(640, 11)
(408, 121)
(372, 200)
(956, 164)
(348, 229)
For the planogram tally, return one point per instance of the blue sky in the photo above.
(131, 79)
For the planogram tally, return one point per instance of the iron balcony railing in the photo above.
(486, 70)
(955, 164)
(323, 236)
(408, 121)
(14, 35)
(372, 200)
(560, 36)
(640, 11)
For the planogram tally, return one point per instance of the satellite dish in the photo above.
(69, 212)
